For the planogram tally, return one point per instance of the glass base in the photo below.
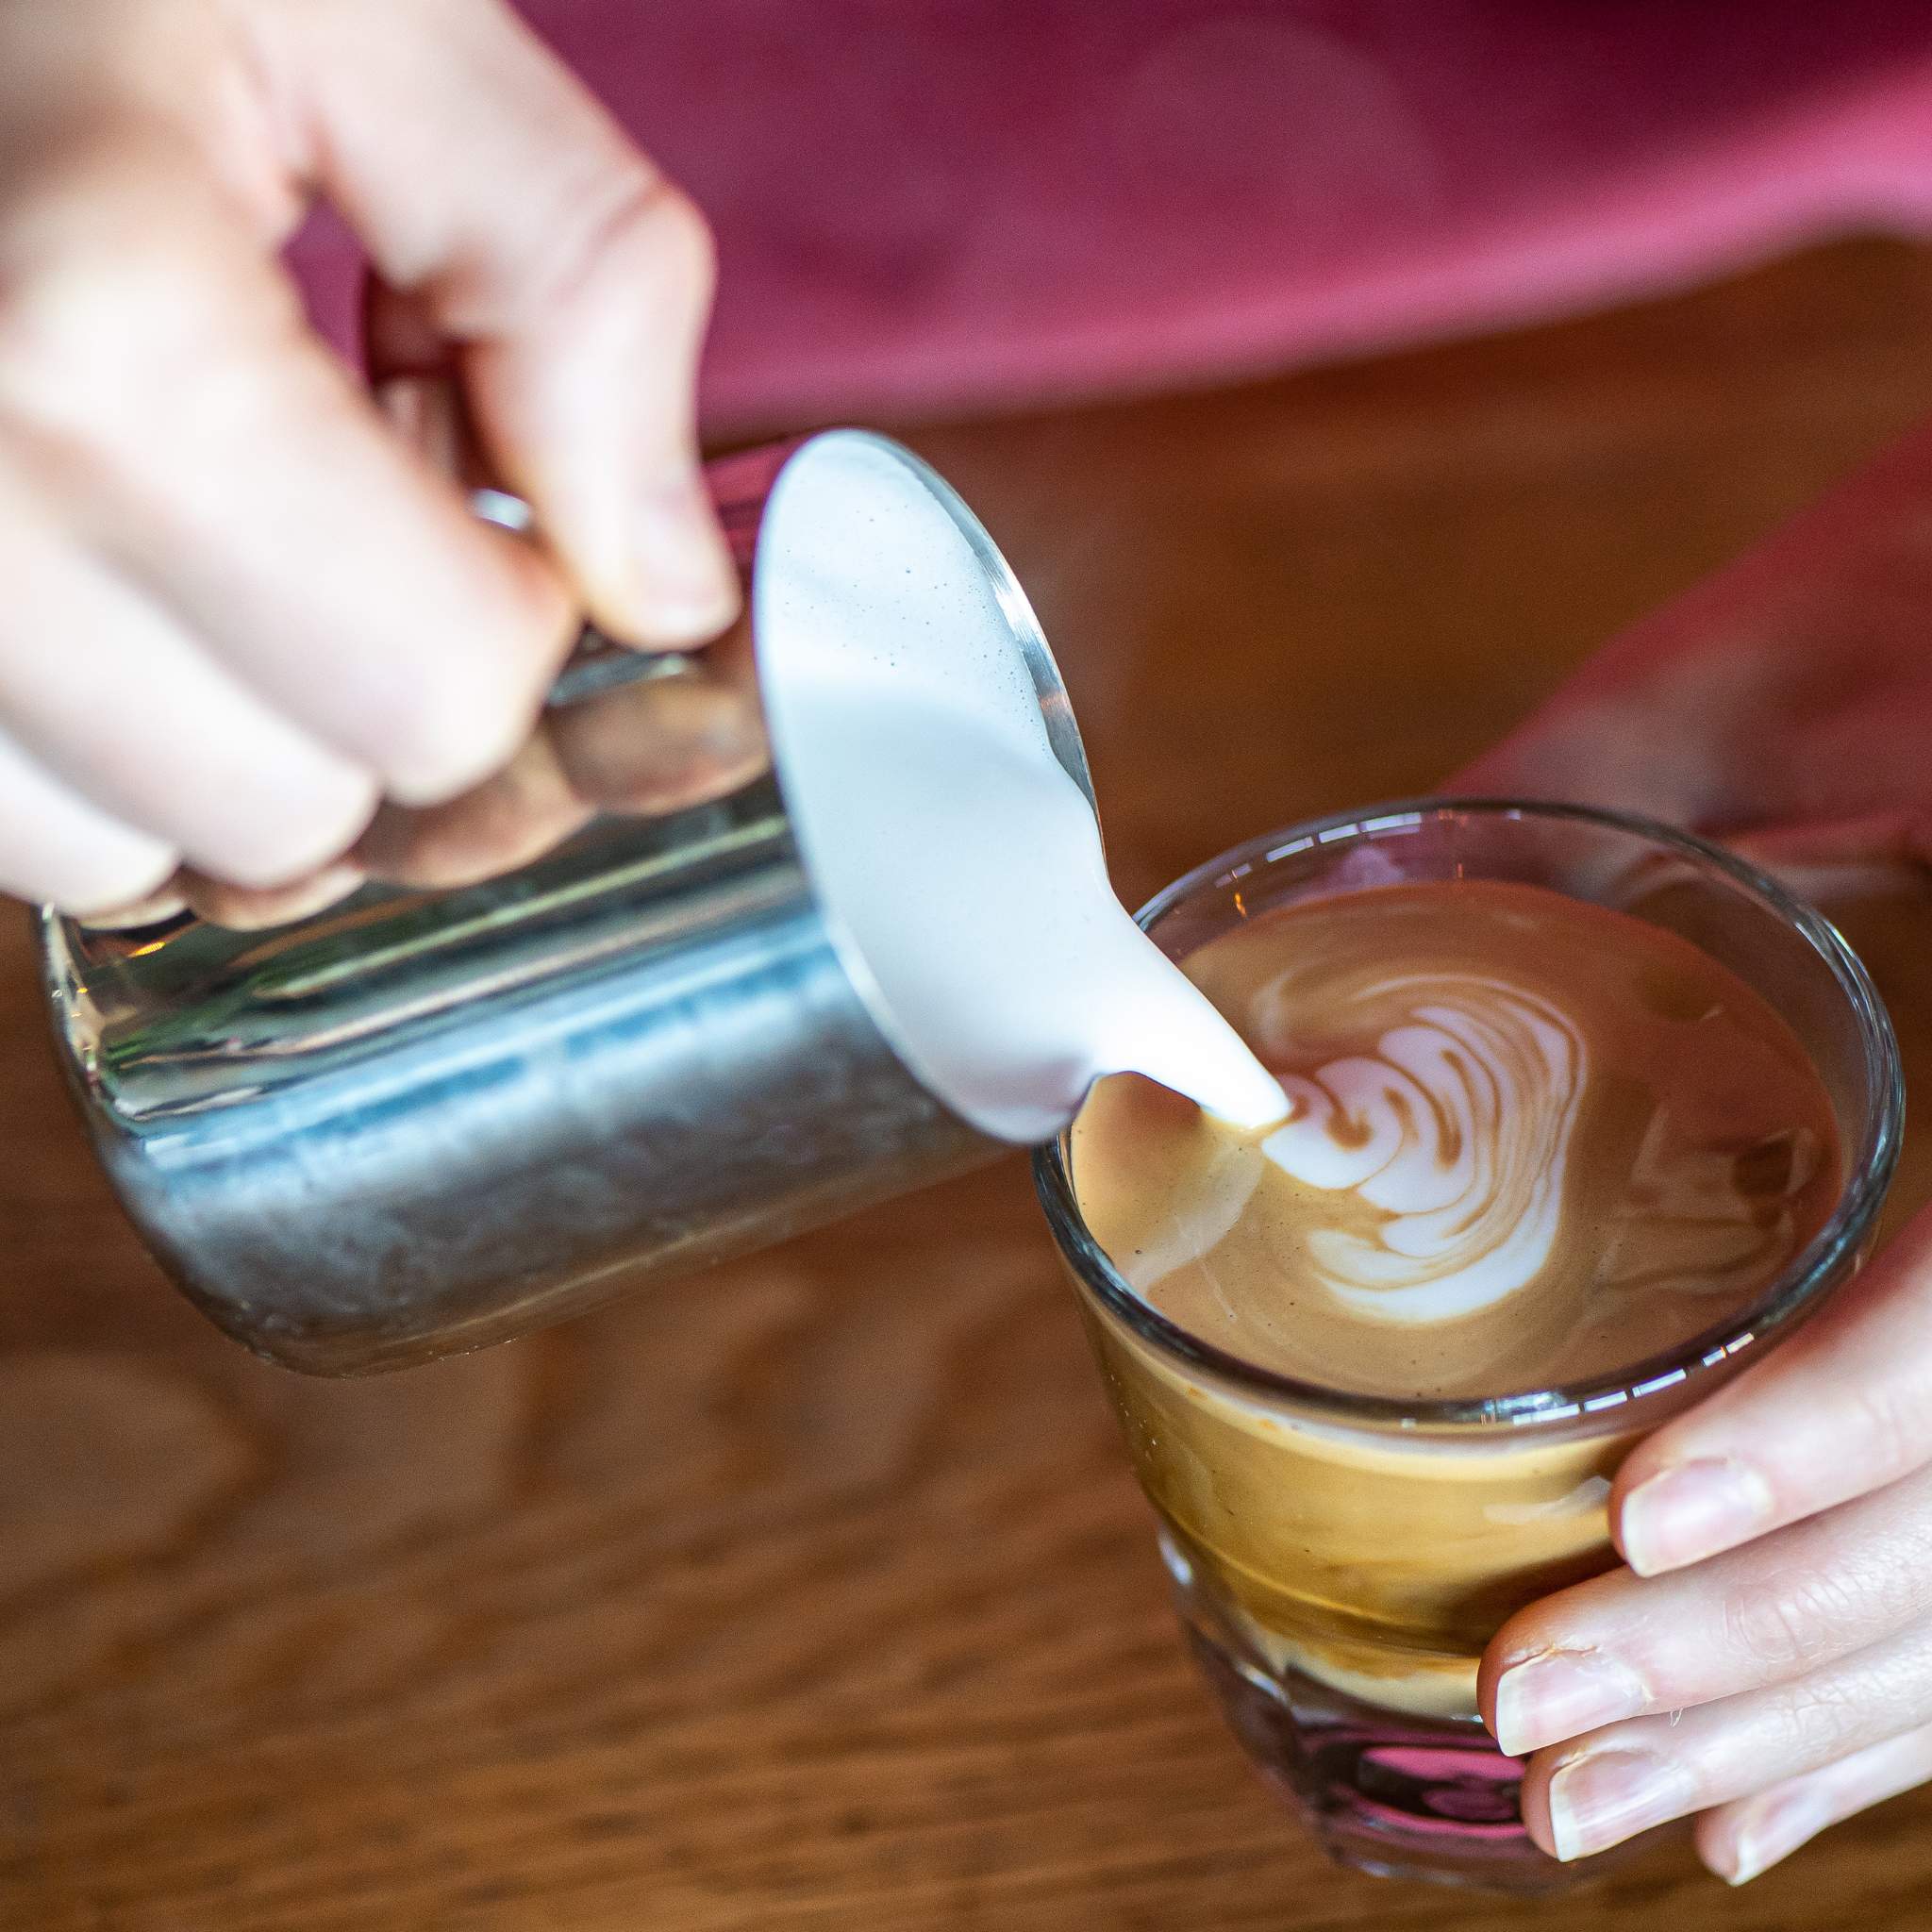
(1397, 1796)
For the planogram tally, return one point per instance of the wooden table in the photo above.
(815, 1594)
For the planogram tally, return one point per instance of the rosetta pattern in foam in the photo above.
(1456, 1128)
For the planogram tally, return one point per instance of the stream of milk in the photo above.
(958, 860)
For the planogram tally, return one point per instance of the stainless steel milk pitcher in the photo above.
(419, 1123)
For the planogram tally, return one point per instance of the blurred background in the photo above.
(1335, 380)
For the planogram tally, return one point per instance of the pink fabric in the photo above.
(929, 206)
(1783, 704)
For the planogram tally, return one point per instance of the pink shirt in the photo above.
(930, 206)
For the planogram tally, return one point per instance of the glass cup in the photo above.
(1342, 1561)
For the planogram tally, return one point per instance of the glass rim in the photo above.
(1790, 1295)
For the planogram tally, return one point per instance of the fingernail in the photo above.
(1772, 1834)
(1562, 1694)
(1600, 1799)
(253, 908)
(1691, 1512)
(167, 903)
(657, 746)
(690, 589)
(320, 889)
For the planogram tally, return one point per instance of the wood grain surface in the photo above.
(815, 1593)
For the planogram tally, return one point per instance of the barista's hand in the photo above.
(1779, 1535)
(242, 605)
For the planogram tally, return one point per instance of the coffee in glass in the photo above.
(1584, 1115)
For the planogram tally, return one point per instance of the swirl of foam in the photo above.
(1457, 1129)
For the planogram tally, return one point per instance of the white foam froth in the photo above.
(1457, 1129)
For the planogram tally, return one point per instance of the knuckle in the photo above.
(465, 709)
(1780, 1622)
(1889, 1426)
(105, 328)
(1824, 1717)
(112, 874)
(642, 235)
(447, 744)
(74, 313)
(449, 699)
(53, 348)
(81, 340)
(666, 224)
(289, 830)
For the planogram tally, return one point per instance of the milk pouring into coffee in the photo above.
(962, 860)
(423, 1121)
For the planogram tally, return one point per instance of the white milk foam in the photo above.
(1456, 1128)
(958, 861)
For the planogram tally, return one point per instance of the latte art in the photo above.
(1531, 1138)
(1457, 1129)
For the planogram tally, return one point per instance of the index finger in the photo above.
(574, 280)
